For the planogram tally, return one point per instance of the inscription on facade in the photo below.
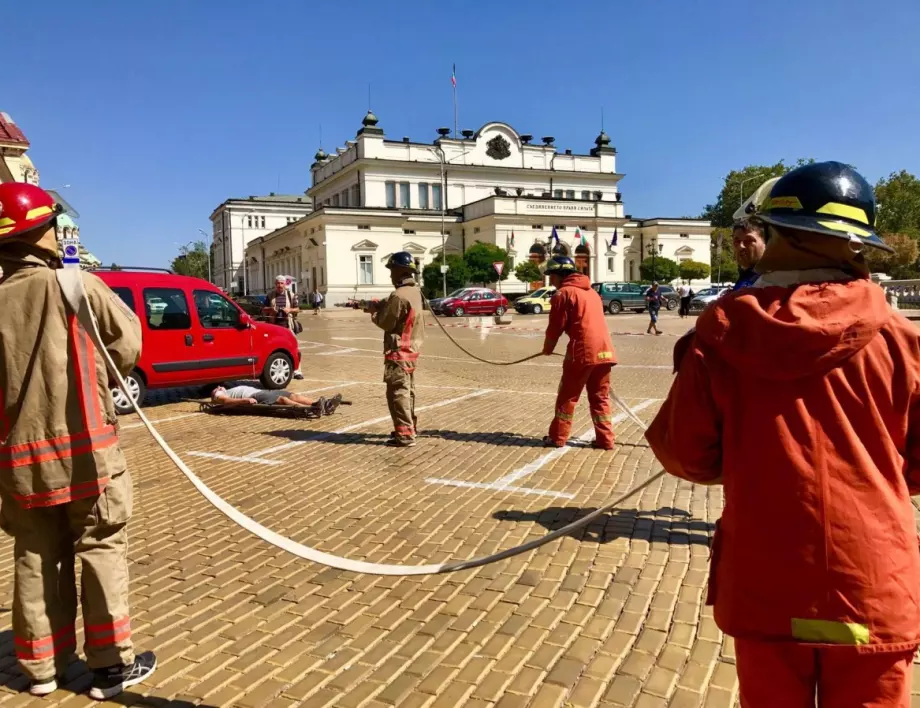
(560, 208)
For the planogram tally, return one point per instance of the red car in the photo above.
(193, 335)
(480, 301)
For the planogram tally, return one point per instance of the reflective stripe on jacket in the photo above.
(58, 439)
(400, 317)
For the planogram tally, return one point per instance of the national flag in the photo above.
(554, 237)
(453, 76)
(613, 241)
(511, 240)
(580, 238)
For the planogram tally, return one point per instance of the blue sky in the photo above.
(155, 112)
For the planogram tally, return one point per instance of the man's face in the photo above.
(279, 288)
(748, 245)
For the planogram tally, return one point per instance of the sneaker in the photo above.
(318, 406)
(43, 687)
(400, 442)
(298, 375)
(115, 679)
(331, 404)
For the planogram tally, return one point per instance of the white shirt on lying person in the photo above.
(240, 391)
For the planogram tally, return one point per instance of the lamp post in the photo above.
(652, 250)
(443, 199)
(203, 233)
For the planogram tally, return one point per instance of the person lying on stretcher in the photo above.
(250, 395)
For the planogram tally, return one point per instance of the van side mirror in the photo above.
(246, 321)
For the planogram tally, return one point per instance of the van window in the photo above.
(611, 288)
(166, 308)
(127, 296)
(215, 311)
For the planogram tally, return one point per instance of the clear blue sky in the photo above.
(155, 112)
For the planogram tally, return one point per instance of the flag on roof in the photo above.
(580, 238)
(453, 76)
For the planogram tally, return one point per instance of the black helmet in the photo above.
(560, 265)
(828, 198)
(402, 259)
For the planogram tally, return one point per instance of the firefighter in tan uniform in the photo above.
(64, 485)
(400, 317)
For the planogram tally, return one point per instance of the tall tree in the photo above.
(528, 272)
(739, 185)
(192, 261)
(458, 275)
(898, 198)
(479, 259)
(900, 264)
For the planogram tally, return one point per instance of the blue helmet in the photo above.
(560, 265)
(402, 259)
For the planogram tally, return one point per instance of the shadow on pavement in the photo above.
(380, 438)
(680, 529)
(77, 680)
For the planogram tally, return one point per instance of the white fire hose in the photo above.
(71, 282)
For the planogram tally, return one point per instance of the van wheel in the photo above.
(615, 307)
(137, 389)
(537, 309)
(277, 372)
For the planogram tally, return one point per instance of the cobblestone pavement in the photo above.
(612, 616)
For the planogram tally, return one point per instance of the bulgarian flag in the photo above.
(511, 240)
(453, 76)
(580, 237)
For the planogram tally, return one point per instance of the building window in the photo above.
(263, 222)
(355, 195)
(660, 248)
(249, 222)
(436, 196)
(408, 231)
(365, 227)
(422, 195)
(536, 226)
(609, 264)
(559, 227)
(585, 194)
(343, 198)
(557, 194)
(391, 195)
(685, 235)
(366, 270)
(335, 200)
(583, 228)
(404, 195)
(570, 194)
(627, 236)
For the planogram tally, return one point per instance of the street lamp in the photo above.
(203, 233)
(439, 151)
(652, 250)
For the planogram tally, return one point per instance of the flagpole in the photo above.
(454, 83)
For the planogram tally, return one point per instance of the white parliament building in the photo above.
(375, 196)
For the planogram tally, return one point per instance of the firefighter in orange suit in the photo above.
(400, 318)
(578, 312)
(64, 486)
(801, 395)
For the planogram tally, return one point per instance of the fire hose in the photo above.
(74, 292)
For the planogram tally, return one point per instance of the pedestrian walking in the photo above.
(65, 487)
(400, 318)
(653, 303)
(316, 300)
(578, 312)
(686, 295)
(283, 307)
(801, 393)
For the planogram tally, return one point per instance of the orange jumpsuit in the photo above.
(578, 312)
(804, 401)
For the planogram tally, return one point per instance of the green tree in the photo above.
(659, 268)
(724, 268)
(528, 271)
(192, 261)
(479, 259)
(739, 185)
(898, 198)
(458, 275)
(694, 270)
(900, 264)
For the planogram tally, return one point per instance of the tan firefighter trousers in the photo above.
(47, 541)
(401, 399)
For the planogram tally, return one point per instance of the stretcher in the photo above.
(274, 410)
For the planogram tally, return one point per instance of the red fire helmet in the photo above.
(24, 207)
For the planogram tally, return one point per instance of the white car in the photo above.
(156, 305)
(702, 299)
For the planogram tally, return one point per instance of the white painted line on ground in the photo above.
(356, 339)
(339, 351)
(162, 420)
(503, 484)
(256, 456)
(484, 485)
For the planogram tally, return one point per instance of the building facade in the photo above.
(374, 196)
(237, 222)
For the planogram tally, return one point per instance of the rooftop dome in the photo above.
(370, 120)
(320, 155)
(602, 140)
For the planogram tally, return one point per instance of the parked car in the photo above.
(437, 305)
(208, 343)
(480, 301)
(251, 304)
(536, 302)
(702, 299)
(631, 296)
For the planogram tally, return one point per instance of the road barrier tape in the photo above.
(74, 292)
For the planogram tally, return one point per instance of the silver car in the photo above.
(704, 297)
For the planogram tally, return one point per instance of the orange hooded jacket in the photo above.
(805, 403)
(579, 312)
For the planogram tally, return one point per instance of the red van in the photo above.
(195, 335)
